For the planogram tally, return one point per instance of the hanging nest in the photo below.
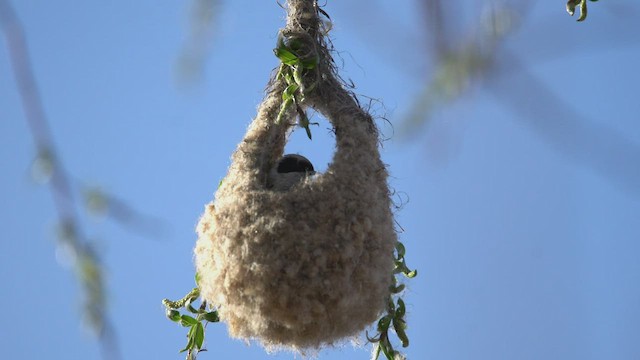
(312, 265)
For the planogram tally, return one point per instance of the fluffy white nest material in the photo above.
(310, 266)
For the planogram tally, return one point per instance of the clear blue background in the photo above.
(525, 251)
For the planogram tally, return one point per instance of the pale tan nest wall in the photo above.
(308, 266)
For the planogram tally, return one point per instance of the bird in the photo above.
(288, 171)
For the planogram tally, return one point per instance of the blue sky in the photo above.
(526, 247)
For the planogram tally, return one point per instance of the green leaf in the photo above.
(191, 308)
(571, 6)
(199, 336)
(186, 320)
(383, 323)
(399, 326)
(304, 121)
(286, 56)
(289, 92)
(396, 289)
(583, 10)
(212, 316)
(391, 306)
(310, 63)
(411, 274)
(400, 249)
(190, 340)
(197, 276)
(281, 70)
(288, 77)
(401, 267)
(306, 128)
(297, 76)
(173, 315)
(387, 349)
(401, 309)
(283, 110)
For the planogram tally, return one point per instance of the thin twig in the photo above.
(86, 262)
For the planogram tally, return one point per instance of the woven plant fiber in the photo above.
(310, 266)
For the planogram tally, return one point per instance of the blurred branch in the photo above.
(581, 5)
(71, 240)
(484, 59)
(191, 62)
(435, 25)
(102, 204)
(460, 65)
(600, 148)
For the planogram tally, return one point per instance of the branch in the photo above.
(85, 261)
